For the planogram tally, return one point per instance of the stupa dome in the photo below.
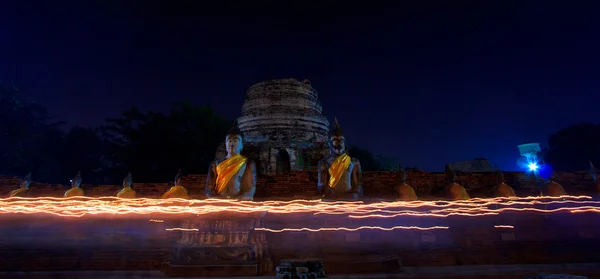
(282, 110)
(283, 126)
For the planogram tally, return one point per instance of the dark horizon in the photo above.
(428, 84)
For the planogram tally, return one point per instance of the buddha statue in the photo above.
(503, 190)
(234, 176)
(404, 191)
(127, 192)
(555, 189)
(177, 191)
(340, 176)
(75, 190)
(23, 190)
(457, 191)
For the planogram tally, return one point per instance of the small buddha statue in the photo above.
(404, 191)
(23, 190)
(340, 176)
(457, 191)
(127, 192)
(177, 191)
(234, 176)
(75, 190)
(503, 190)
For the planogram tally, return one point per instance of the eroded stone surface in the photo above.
(283, 126)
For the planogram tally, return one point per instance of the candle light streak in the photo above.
(353, 229)
(504, 227)
(82, 206)
(330, 229)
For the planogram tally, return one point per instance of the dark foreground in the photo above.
(446, 272)
(510, 244)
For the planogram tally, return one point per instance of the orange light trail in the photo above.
(81, 206)
(331, 229)
(504, 227)
(353, 229)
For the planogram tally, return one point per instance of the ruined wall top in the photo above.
(282, 110)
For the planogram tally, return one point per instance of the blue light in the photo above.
(533, 166)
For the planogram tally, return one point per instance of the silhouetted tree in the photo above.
(84, 150)
(387, 163)
(153, 146)
(572, 148)
(29, 138)
(366, 158)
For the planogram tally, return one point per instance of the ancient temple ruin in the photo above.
(283, 126)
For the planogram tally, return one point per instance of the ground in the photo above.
(449, 272)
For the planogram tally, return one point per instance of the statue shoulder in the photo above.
(250, 163)
(355, 161)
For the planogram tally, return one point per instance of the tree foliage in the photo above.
(572, 148)
(154, 146)
(370, 162)
(28, 135)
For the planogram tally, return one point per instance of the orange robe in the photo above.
(458, 192)
(406, 193)
(505, 191)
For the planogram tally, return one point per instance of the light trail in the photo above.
(82, 206)
(331, 229)
(352, 229)
(504, 227)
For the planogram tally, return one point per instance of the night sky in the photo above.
(440, 82)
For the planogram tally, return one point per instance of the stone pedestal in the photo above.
(223, 245)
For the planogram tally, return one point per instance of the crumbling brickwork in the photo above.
(283, 126)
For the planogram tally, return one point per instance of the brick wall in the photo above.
(302, 184)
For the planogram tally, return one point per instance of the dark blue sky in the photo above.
(431, 83)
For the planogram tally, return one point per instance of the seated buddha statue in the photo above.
(555, 189)
(503, 190)
(234, 176)
(23, 190)
(404, 191)
(127, 192)
(75, 190)
(177, 191)
(340, 176)
(457, 191)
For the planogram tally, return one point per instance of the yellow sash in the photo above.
(17, 193)
(126, 193)
(176, 192)
(506, 191)
(407, 193)
(338, 167)
(227, 169)
(458, 192)
(74, 192)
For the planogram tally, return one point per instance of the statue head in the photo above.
(26, 181)
(337, 142)
(177, 180)
(450, 174)
(127, 181)
(594, 173)
(499, 175)
(76, 181)
(234, 140)
(402, 174)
